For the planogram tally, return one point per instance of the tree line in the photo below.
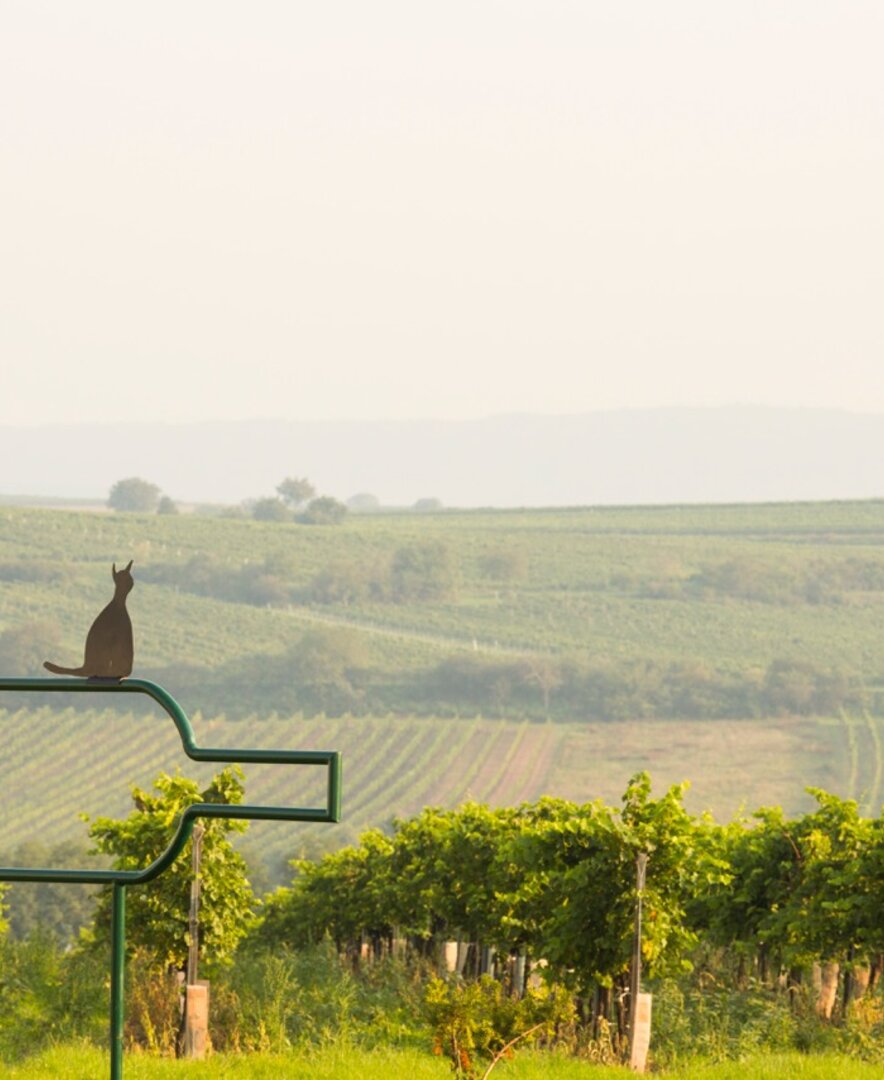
(295, 500)
(333, 670)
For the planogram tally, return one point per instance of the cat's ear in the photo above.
(114, 571)
(129, 567)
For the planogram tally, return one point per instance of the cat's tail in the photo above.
(56, 670)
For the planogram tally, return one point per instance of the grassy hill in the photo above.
(737, 646)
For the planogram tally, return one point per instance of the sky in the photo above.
(342, 210)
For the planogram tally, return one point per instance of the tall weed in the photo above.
(720, 1023)
(48, 996)
(275, 1001)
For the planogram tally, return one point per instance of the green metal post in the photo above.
(333, 796)
(118, 969)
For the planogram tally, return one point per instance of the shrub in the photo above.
(476, 1024)
(504, 564)
(324, 511)
(270, 509)
(426, 571)
(134, 495)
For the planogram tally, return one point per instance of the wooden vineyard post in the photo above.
(640, 1036)
(639, 1003)
(196, 1001)
(196, 1021)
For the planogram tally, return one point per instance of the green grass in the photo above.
(781, 1067)
(73, 1063)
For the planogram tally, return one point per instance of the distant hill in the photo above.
(728, 454)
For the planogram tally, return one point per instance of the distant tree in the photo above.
(341, 583)
(328, 664)
(324, 511)
(544, 673)
(503, 564)
(789, 686)
(427, 506)
(203, 575)
(425, 571)
(167, 506)
(23, 648)
(254, 585)
(283, 564)
(295, 490)
(135, 495)
(363, 502)
(270, 509)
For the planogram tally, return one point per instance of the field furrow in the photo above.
(399, 797)
(531, 767)
(873, 804)
(398, 760)
(498, 754)
(500, 781)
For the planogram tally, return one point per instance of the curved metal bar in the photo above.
(331, 812)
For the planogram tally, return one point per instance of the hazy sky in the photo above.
(401, 209)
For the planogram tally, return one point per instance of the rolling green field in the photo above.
(603, 582)
(770, 617)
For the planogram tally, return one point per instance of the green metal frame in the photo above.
(120, 879)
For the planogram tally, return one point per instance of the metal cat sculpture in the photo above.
(109, 648)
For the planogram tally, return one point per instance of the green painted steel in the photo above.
(120, 879)
(331, 759)
(118, 977)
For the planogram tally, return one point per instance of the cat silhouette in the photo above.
(109, 649)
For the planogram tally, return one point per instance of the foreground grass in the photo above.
(75, 1063)
(782, 1067)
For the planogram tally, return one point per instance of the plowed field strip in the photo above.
(533, 772)
(853, 754)
(361, 747)
(503, 776)
(872, 805)
(497, 734)
(21, 747)
(421, 793)
(451, 787)
(409, 743)
(425, 761)
(127, 761)
(487, 776)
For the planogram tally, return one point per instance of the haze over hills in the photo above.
(666, 455)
